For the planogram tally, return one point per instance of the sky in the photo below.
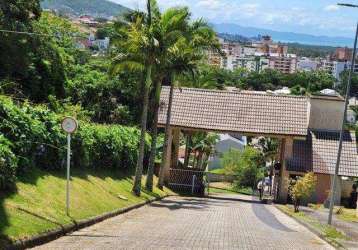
(315, 17)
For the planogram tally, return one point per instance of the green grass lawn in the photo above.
(225, 187)
(38, 204)
(218, 171)
(345, 214)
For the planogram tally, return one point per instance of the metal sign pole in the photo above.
(69, 125)
(68, 173)
(341, 135)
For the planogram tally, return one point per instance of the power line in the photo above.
(24, 33)
(35, 34)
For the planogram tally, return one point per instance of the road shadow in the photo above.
(4, 220)
(235, 199)
(190, 203)
(268, 218)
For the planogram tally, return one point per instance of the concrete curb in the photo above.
(311, 229)
(57, 233)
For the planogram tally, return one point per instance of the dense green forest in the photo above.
(305, 50)
(96, 8)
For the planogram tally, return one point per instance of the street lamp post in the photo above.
(351, 72)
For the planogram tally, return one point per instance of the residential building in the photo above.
(102, 44)
(88, 20)
(343, 54)
(255, 57)
(224, 144)
(285, 64)
(335, 68)
(307, 64)
(267, 46)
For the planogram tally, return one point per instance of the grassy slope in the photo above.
(39, 203)
(330, 233)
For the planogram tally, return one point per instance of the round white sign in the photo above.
(69, 125)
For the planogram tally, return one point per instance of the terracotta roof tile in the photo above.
(319, 153)
(244, 111)
(325, 150)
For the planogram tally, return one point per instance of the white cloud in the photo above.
(249, 9)
(331, 7)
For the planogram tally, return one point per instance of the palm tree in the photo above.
(136, 50)
(203, 146)
(184, 57)
(170, 27)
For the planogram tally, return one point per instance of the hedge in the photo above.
(31, 136)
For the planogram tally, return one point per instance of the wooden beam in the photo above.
(255, 134)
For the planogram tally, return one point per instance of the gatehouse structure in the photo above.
(307, 128)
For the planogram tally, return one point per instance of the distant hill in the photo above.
(234, 37)
(285, 37)
(96, 8)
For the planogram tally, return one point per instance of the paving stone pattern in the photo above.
(221, 222)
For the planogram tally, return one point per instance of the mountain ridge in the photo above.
(282, 36)
(96, 8)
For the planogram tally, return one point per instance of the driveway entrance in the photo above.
(220, 222)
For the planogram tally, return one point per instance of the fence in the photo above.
(189, 181)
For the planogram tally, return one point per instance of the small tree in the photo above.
(303, 188)
(247, 165)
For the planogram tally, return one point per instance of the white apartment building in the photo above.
(307, 64)
(255, 57)
(335, 68)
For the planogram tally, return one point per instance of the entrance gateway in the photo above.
(307, 128)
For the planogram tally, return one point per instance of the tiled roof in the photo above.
(325, 150)
(230, 111)
(319, 153)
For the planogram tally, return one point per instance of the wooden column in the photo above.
(175, 148)
(187, 145)
(168, 155)
(286, 153)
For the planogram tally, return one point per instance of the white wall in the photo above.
(226, 143)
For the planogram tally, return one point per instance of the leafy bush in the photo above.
(303, 188)
(246, 165)
(106, 146)
(38, 141)
(8, 164)
(34, 132)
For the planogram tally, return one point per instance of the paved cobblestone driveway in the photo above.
(225, 222)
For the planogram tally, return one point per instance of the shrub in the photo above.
(246, 165)
(34, 132)
(38, 141)
(8, 164)
(106, 146)
(303, 188)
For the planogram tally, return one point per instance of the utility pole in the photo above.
(348, 89)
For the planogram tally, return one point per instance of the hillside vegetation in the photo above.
(98, 8)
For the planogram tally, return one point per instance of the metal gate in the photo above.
(188, 181)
